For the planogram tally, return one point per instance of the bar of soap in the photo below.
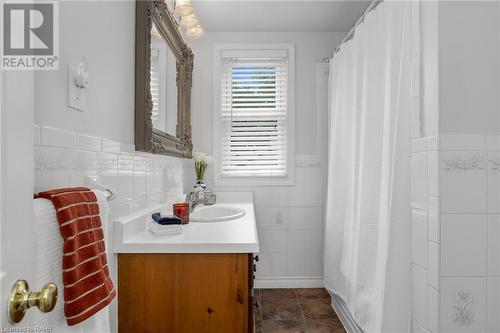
(165, 220)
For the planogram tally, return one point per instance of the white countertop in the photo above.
(235, 236)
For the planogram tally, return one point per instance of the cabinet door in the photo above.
(184, 293)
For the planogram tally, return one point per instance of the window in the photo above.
(155, 86)
(254, 114)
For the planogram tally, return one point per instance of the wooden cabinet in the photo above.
(185, 293)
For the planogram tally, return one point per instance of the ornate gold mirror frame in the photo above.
(147, 138)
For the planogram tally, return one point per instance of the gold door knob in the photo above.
(21, 299)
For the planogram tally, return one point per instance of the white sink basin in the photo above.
(215, 213)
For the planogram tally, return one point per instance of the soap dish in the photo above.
(160, 230)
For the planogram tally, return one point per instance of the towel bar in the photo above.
(95, 182)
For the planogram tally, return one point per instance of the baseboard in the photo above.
(344, 315)
(277, 282)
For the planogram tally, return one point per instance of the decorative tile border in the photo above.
(63, 158)
(463, 303)
(457, 163)
(494, 165)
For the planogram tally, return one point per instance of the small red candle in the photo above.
(181, 210)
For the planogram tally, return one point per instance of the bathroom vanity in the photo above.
(198, 281)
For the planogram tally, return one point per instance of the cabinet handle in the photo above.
(256, 258)
(254, 267)
(256, 304)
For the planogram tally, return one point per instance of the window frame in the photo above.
(287, 180)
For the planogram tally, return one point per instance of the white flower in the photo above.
(198, 156)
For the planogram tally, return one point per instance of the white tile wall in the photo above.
(87, 142)
(494, 245)
(469, 233)
(419, 237)
(462, 142)
(425, 234)
(419, 176)
(296, 264)
(493, 142)
(51, 168)
(433, 264)
(433, 310)
(463, 305)
(419, 145)
(417, 328)
(54, 137)
(434, 219)
(462, 185)
(63, 158)
(493, 304)
(433, 173)
(463, 244)
(493, 165)
(463, 181)
(290, 223)
(419, 295)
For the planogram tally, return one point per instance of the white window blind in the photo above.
(155, 86)
(254, 116)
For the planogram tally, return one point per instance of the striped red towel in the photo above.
(87, 285)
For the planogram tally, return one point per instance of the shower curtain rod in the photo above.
(350, 33)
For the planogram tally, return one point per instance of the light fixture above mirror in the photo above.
(195, 32)
(188, 20)
(183, 8)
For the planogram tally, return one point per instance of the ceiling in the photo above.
(278, 15)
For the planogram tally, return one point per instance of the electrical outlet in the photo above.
(76, 96)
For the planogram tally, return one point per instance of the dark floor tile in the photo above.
(258, 326)
(279, 304)
(280, 310)
(316, 308)
(324, 326)
(284, 326)
(312, 293)
(276, 293)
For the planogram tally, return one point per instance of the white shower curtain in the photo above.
(367, 231)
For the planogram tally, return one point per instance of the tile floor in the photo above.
(295, 311)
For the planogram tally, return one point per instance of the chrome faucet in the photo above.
(193, 199)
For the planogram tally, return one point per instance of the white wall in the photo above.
(104, 33)
(468, 68)
(289, 218)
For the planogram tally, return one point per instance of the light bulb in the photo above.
(183, 8)
(195, 32)
(189, 21)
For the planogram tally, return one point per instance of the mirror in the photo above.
(164, 65)
(163, 84)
